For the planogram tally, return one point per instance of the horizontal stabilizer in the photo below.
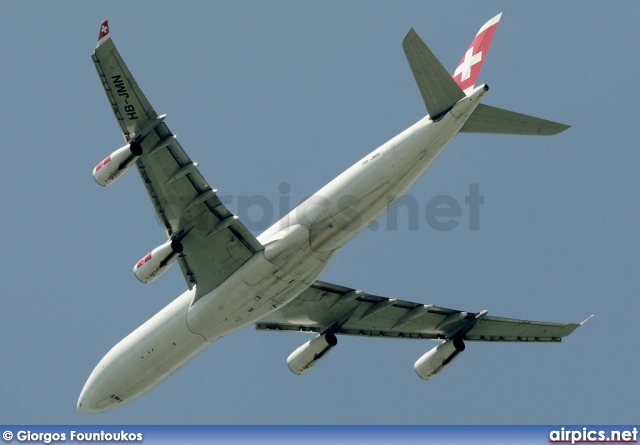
(439, 91)
(487, 119)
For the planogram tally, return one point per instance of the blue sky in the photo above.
(266, 93)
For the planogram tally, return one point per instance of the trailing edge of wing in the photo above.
(488, 119)
(438, 89)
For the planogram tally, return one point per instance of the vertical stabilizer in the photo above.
(469, 67)
(441, 92)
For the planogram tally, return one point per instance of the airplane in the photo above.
(235, 279)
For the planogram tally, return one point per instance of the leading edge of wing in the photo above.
(326, 307)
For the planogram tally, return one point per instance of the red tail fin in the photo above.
(469, 68)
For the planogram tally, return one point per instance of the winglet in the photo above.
(587, 319)
(104, 32)
(469, 67)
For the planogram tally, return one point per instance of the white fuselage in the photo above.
(297, 249)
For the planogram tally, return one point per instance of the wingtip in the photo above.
(411, 34)
(561, 128)
(552, 130)
(587, 319)
(104, 31)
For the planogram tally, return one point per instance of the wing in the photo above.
(326, 307)
(217, 243)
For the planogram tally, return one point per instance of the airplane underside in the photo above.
(235, 279)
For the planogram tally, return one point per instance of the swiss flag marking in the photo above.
(467, 62)
(144, 260)
(468, 69)
(104, 30)
(103, 163)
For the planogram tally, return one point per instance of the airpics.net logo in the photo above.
(442, 213)
(586, 435)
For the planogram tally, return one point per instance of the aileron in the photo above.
(507, 329)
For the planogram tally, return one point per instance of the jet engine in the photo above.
(157, 261)
(116, 164)
(311, 352)
(438, 358)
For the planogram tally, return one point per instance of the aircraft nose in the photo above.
(87, 400)
(95, 401)
(96, 396)
(86, 407)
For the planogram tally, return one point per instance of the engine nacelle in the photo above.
(438, 358)
(116, 164)
(307, 355)
(157, 261)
